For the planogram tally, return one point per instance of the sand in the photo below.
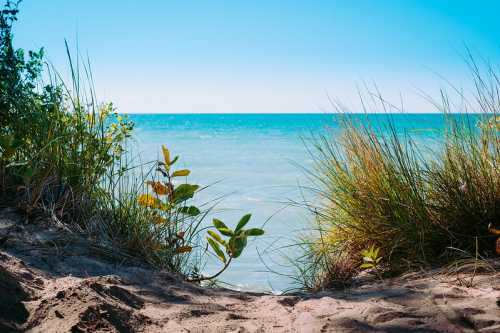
(50, 282)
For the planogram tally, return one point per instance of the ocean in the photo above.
(256, 163)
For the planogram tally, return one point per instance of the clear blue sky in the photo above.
(261, 56)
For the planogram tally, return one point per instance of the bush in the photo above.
(56, 144)
(380, 189)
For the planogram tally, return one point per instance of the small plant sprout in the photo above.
(371, 259)
(228, 244)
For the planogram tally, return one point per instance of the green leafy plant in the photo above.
(371, 259)
(228, 244)
(169, 199)
(173, 217)
(173, 220)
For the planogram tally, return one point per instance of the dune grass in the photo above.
(63, 156)
(378, 187)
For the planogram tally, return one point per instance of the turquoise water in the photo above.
(255, 162)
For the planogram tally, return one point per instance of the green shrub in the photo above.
(56, 143)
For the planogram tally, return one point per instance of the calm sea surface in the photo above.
(253, 161)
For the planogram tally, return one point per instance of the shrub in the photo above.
(56, 144)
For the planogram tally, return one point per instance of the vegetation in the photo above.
(385, 202)
(234, 245)
(174, 225)
(55, 145)
(63, 155)
(380, 190)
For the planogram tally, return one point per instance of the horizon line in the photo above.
(297, 113)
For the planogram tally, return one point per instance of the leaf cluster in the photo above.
(232, 241)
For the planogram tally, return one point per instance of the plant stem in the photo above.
(205, 278)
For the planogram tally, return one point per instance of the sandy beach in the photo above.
(51, 282)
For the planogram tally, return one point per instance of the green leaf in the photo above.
(189, 210)
(366, 266)
(184, 192)
(368, 259)
(226, 232)
(181, 173)
(223, 229)
(216, 249)
(244, 220)
(174, 160)
(217, 237)
(237, 244)
(254, 232)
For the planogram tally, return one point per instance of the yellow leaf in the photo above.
(181, 173)
(183, 249)
(147, 200)
(166, 154)
(158, 187)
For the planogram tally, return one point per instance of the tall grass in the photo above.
(121, 222)
(63, 155)
(376, 186)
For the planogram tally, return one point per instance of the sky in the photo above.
(262, 56)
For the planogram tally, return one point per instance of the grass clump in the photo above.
(411, 201)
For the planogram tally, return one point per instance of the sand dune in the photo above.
(50, 282)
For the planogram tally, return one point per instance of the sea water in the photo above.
(258, 164)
